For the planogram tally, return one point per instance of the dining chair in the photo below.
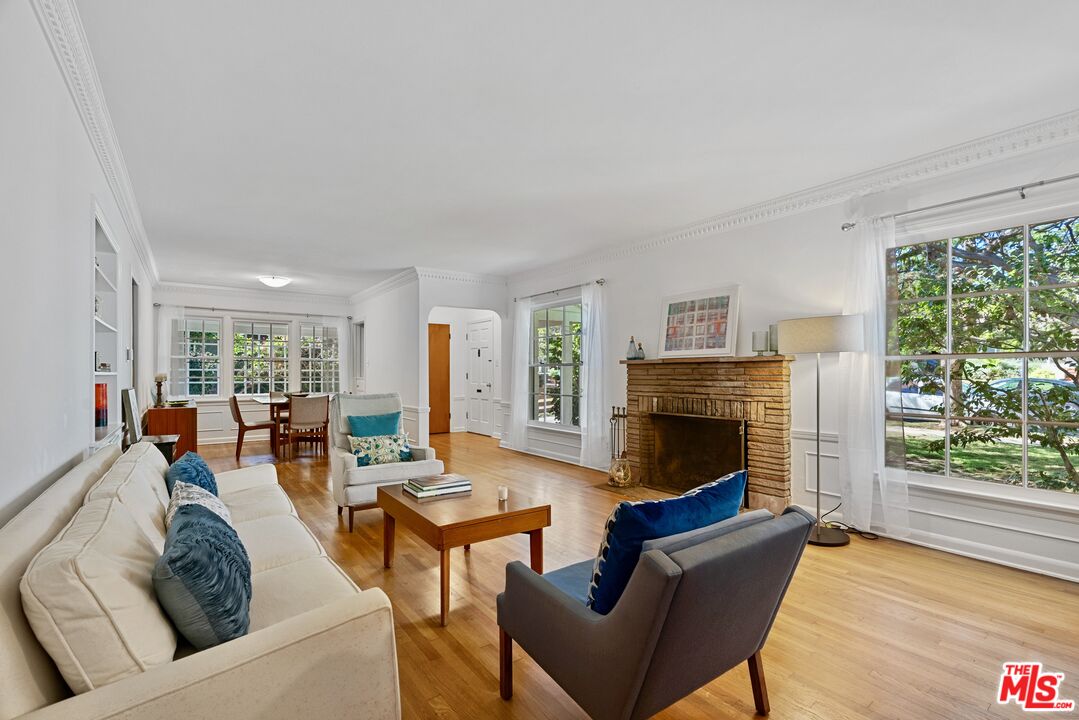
(308, 420)
(243, 428)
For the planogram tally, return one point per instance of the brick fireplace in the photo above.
(751, 389)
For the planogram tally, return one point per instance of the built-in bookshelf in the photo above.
(106, 324)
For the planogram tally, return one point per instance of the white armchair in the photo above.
(354, 487)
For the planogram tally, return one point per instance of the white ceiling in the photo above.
(337, 142)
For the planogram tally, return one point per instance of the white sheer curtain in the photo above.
(520, 400)
(595, 423)
(861, 442)
(167, 317)
(344, 351)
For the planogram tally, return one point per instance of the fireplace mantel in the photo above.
(755, 389)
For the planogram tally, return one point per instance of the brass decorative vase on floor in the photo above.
(619, 473)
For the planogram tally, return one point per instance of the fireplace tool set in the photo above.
(619, 475)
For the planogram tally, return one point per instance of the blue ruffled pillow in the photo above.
(203, 578)
(193, 470)
(374, 425)
(632, 523)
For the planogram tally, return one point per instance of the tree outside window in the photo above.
(983, 356)
(555, 369)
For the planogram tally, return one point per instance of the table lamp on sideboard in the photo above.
(817, 335)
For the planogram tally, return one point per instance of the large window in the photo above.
(983, 356)
(259, 357)
(555, 370)
(195, 358)
(318, 358)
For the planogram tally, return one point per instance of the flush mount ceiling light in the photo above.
(274, 281)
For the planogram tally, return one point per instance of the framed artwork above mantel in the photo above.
(704, 322)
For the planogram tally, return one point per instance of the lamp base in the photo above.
(828, 536)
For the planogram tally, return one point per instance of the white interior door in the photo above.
(480, 374)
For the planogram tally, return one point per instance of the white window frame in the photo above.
(179, 371)
(948, 233)
(326, 378)
(273, 377)
(533, 365)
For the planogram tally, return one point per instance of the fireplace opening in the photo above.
(690, 450)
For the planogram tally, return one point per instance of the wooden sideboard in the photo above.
(182, 421)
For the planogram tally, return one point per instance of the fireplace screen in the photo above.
(690, 450)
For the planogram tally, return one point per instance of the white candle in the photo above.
(760, 341)
(503, 493)
(161, 377)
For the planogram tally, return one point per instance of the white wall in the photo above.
(50, 179)
(391, 318)
(458, 319)
(794, 266)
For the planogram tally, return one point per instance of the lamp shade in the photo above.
(830, 333)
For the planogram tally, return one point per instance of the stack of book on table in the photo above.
(438, 485)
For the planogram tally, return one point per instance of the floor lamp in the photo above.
(829, 334)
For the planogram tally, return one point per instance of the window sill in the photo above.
(1034, 499)
(555, 428)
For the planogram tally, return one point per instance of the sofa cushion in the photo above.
(632, 523)
(192, 469)
(184, 494)
(257, 502)
(572, 580)
(374, 425)
(203, 579)
(89, 597)
(138, 482)
(290, 590)
(380, 449)
(673, 543)
(277, 540)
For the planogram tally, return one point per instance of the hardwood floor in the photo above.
(873, 630)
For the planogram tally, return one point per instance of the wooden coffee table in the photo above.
(458, 521)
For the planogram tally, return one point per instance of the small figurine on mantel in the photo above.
(640, 352)
(631, 351)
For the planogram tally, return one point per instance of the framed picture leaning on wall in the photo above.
(704, 322)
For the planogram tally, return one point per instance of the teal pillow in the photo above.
(191, 469)
(632, 523)
(203, 578)
(374, 425)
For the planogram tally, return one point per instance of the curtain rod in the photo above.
(1021, 189)
(600, 281)
(257, 312)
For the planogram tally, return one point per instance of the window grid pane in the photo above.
(194, 362)
(260, 357)
(554, 373)
(982, 375)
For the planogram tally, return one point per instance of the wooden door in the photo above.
(438, 373)
(480, 376)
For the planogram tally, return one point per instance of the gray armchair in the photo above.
(697, 604)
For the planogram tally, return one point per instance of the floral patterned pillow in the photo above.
(380, 449)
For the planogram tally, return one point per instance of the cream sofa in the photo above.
(355, 487)
(318, 646)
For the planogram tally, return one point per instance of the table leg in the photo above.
(444, 577)
(535, 546)
(389, 524)
(273, 431)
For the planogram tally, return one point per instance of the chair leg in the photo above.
(339, 510)
(351, 510)
(239, 443)
(505, 664)
(756, 679)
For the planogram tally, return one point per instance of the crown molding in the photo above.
(63, 29)
(460, 276)
(228, 293)
(1025, 139)
(406, 276)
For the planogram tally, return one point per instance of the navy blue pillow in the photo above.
(374, 425)
(191, 468)
(203, 579)
(632, 523)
